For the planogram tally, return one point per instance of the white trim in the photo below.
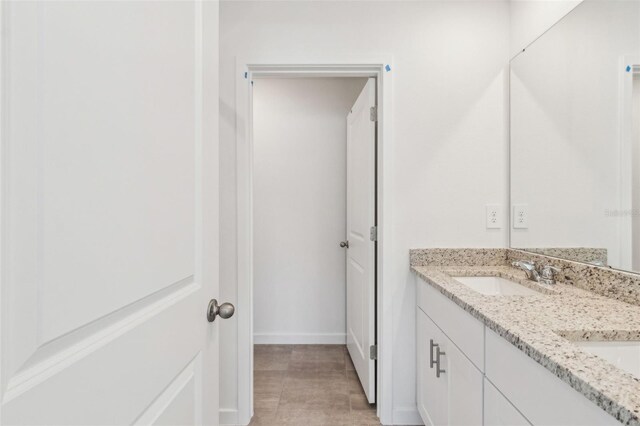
(4, 99)
(625, 188)
(228, 417)
(299, 339)
(407, 416)
(244, 206)
(367, 66)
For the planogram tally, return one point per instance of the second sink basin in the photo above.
(496, 286)
(624, 355)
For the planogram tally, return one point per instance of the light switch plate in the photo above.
(494, 216)
(520, 216)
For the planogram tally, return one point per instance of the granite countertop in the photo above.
(542, 326)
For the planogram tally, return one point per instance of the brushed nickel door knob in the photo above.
(214, 310)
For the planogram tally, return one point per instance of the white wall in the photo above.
(299, 195)
(566, 151)
(449, 132)
(531, 18)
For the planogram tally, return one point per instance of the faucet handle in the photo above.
(549, 269)
(547, 273)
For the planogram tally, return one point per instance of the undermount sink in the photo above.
(624, 355)
(496, 286)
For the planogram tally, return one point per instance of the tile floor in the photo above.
(308, 385)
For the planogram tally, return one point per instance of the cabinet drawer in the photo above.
(464, 330)
(539, 395)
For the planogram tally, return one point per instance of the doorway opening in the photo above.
(314, 249)
(252, 75)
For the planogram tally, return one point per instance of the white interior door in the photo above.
(109, 212)
(361, 266)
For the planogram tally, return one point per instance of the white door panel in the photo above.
(137, 190)
(361, 144)
(104, 291)
(181, 402)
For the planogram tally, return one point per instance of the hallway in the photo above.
(308, 385)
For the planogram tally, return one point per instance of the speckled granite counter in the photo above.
(539, 325)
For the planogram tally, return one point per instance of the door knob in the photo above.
(344, 244)
(225, 310)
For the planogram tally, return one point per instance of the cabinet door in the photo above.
(463, 386)
(498, 411)
(431, 391)
(539, 395)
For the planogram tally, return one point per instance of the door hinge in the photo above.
(373, 113)
(373, 233)
(373, 352)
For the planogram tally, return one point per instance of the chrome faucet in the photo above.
(529, 268)
(546, 275)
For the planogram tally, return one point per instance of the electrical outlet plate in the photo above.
(493, 216)
(520, 216)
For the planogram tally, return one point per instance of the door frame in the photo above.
(379, 67)
(625, 96)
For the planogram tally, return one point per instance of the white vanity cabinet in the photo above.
(449, 385)
(464, 388)
(536, 392)
(452, 395)
(486, 380)
(498, 411)
(431, 389)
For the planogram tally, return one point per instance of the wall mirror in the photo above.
(575, 138)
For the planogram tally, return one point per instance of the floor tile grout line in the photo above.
(284, 378)
(285, 374)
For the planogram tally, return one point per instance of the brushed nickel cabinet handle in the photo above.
(439, 370)
(432, 345)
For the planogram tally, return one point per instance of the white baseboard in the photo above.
(407, 416)
(228, 417)
(300, 339)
